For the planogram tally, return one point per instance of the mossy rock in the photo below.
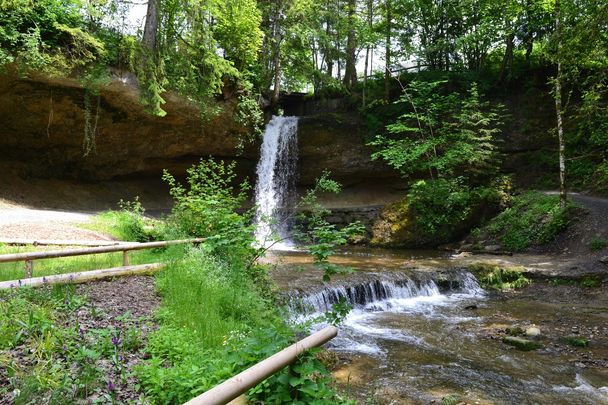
(576, 341)
(521, 343)
(514, 331)
(397, 227)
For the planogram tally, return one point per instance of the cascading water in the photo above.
(382, 294)
(401, 295)
(275, 186)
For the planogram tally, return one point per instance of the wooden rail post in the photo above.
(125, 257)
(29, 268)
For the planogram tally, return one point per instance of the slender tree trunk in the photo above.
(277, 74)
(350, 72)
(387, 50)
(151, 27)
(277, 53)
(365, 74)
(370, 21)
(507, 60)
(558, 110)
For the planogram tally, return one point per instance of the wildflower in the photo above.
(115, 340)
(110, 386)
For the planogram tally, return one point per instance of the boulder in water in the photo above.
(533, 332)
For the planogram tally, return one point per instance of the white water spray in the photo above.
(275, 185)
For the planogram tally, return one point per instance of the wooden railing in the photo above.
(240, 383)
(125, 248)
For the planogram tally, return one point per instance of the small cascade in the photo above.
(365, 294)
(275, 186)
(380, 294)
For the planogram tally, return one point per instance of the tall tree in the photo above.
(350, 73)
(558, 107)
(388, 30)
(149, 39)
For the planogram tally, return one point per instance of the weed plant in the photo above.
(47, 357)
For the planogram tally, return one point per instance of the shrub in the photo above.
(598, 244)
(444, 205)
(207, 208)
(533, 219)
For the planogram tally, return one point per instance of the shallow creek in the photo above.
(422, 329)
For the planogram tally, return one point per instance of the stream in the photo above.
(422, 329)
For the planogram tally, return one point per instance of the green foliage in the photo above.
(532, 219)
(451, 399)
(576, 341)
(441, 206)
(598, 244)
(58, 361)
(442, 134)
(499, 278)
(216, 323)
(128, 223)
(323, 238)
(207, 208)
(47, 35)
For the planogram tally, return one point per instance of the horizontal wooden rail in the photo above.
(125, 248)
(84, 276)
(239, 384)
(18, 257)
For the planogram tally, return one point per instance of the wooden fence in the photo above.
(29, 257)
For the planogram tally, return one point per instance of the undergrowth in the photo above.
(499, 278)
(220, 313)
(532, 219)
(48, 357)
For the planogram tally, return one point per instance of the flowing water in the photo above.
(275, 185)
(421, 328)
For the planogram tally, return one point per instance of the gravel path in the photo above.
(24, 223)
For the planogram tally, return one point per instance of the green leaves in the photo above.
(440, 134)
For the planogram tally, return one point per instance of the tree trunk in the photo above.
(558, 110)
(350, 72)
(387, 50)
(370, 20)
(277, 53)
(507, 60)
(151, 27)
(277, 73)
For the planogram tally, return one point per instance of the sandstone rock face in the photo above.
(42, 126)
(337, 142)
(43, 121)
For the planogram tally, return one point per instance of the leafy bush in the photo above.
(218, 314)
(128, 223)
(208, 208)
(443, 205)
(321, 237)
(532, 219)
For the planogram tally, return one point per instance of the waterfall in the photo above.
(275, 186)
(379, 294)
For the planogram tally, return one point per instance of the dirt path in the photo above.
(24, 223)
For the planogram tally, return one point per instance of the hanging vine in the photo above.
(90, 123)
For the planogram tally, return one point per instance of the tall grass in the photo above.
(210, 297)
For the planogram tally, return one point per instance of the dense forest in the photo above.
(446, 92)
(384, 56)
